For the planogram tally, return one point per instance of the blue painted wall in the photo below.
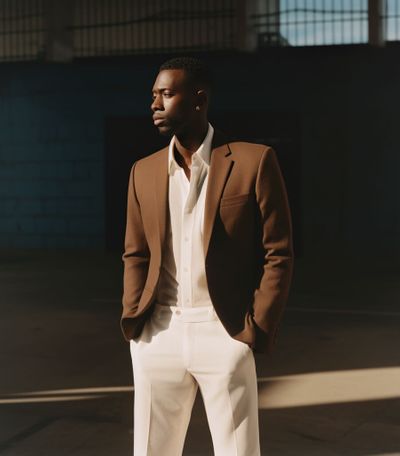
(51, 150)
(52, 147)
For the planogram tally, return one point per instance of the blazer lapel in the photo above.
(220, 166)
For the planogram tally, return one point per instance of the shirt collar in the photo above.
(203, 153)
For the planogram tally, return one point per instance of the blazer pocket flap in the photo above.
(234, 199)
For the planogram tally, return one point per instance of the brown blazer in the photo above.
(247, 240)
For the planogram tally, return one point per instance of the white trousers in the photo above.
(179, 350)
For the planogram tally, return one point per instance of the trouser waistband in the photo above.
(187, 314)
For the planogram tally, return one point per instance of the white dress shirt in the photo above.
(183, 277)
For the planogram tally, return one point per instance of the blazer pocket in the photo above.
(234, 199)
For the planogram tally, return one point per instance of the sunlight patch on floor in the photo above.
(333, 387)
(286, 391)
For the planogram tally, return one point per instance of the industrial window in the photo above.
(118, 27)
(34, 29)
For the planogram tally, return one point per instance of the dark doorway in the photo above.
(128, 139)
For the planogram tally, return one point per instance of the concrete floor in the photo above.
(332, 387)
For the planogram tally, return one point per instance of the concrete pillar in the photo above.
(376, 22)
(257, 23)
(269, 32)
(58, 16)
(246, 39)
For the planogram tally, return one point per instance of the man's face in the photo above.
(174, 102)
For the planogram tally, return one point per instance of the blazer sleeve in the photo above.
(271, 295)
(136, 257)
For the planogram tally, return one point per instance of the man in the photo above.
(207, 268)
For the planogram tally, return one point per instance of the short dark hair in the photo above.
(196, 69)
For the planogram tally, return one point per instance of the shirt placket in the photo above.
(186, 248)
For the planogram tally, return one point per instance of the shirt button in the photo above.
(178, 312)
(185, 269)
(186, 239)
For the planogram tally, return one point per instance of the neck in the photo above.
(187, 143)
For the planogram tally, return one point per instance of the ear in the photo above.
(202, 97)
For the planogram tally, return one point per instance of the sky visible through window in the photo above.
(318, 22)
(393, 20)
